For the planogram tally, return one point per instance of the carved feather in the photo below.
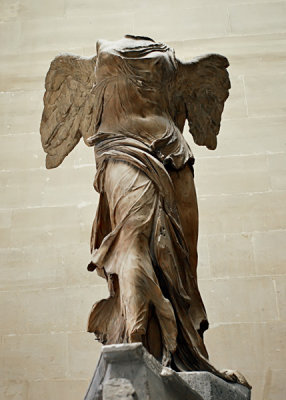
(68, 106)
(203, 84)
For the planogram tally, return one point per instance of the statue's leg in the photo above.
(133, 201)
(186, 200)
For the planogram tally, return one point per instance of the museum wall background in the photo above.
(45, 216)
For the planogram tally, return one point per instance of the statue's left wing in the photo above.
(69, 106)
(203, 86)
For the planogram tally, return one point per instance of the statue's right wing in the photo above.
(69, 106)
(202, 86)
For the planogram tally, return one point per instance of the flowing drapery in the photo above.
(138, 244)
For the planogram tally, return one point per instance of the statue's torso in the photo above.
(137, 94)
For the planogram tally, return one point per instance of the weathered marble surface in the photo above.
(128, 371)
(211, 387)
(130, 102)
(133, 364)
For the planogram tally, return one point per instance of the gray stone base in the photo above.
(128, 371)
(210, 387)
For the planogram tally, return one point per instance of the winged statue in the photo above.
(130, 103)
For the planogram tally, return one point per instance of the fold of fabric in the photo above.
(138, 245)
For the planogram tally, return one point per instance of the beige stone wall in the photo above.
(45, 216)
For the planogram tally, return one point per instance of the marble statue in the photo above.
(130, 103)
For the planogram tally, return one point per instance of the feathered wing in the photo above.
(69, 106)
(203, 86)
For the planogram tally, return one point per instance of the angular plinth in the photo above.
(210, 387)
(128, 371)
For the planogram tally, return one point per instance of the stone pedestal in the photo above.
(128, 371)
(210, 387)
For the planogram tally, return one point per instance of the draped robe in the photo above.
(138, 242)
